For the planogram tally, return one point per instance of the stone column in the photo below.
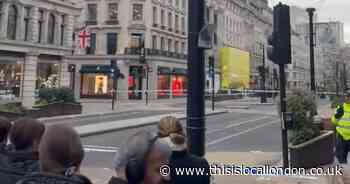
(45, 27)
(58, 29)
(20, 23)
(65, 75)
(29, 79)
(153, 80)
(123, 83)
(34, 28)
(68, 33)
(4, 20)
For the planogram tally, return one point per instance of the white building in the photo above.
(118, 29)
(35, 37)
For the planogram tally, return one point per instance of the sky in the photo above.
(334, 10)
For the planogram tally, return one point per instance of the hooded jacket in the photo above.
(39, 178)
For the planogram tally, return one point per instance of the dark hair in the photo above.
(60, 149)
(25, 132)
(5, 126)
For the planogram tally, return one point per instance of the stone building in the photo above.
(118, 29)
(35, 38)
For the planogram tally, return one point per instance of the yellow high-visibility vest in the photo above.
(343, 124)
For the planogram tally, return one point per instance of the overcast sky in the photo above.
(335, 10)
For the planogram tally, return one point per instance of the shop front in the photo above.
(135, 82)
(163, 83)
(179, 82)
(10, 79)
(96, 81)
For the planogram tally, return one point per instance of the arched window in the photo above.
(51, 29)
(12, 22)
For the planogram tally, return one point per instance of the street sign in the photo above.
(205, 40)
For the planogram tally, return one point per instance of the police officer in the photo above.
(341, 120)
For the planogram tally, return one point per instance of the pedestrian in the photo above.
(5, 126)
(139, 160)
(341, 120)
(61, 154)
(25, 136)
(170, 130)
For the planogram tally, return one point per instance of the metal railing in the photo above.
(155, 52)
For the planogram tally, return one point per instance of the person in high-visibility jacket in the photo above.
(341, 120)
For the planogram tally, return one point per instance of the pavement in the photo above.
(101, 175)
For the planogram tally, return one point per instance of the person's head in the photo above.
(171, 131)
(26, 134)
(347, 97)
(60, 151)
(5, 126)
(139, 159)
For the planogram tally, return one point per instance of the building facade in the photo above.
(118, 29)
(35, 38)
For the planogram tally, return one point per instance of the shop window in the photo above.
(96, 85)
(178, 85)
(10, 79)
(163, 82)
(48, 75)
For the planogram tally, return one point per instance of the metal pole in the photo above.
(196, 80)
(213, 85)
(113, 92)
(283, 110)
(344, 78)
(263, 97)
(336, 78)
(147, 87)
(312, 57)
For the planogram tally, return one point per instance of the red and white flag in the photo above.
(84, 38)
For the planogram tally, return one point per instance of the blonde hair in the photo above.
(171, 127)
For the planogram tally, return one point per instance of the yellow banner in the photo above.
(235, 69)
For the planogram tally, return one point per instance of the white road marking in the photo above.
(240, 133)
(231, 125)
(105, 149)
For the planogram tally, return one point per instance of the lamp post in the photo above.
(312, 57)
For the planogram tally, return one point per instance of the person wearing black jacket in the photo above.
(5, 126)
(171, 131)
(60, 156)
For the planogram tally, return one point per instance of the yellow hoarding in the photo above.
(235, 69)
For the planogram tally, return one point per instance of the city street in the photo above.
(240, 131)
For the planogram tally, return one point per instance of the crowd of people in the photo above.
(32, 153)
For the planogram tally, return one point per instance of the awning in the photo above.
(179, 71)
(164, 71)
(95, 69)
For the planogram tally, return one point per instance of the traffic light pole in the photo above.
(312, 57)
(114, 91)
(212, 72)
(147, 86)
(283, 110)
(263, 97)
(196, 80)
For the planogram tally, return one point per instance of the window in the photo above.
(169, 44)
(63, 18)
(136, 40)
(155, 16)
(162, 17)
(154, 42)
(92, 48)
(92, 12)
(177, 22)
(40, 24)
(111, 43)
(26, 22)
(12, 22)
(177, 46)
(183, 24)
(51, 29)
(137, 12)
(162, 43)
(170, 21)
(113, 11)
(183, 47)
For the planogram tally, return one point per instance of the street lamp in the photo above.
(312, 57)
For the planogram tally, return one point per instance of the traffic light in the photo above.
(279, 50)
(71, 68)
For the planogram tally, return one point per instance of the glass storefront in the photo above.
(163, 83)
(96, 85)
(10, 79)
(48, 75)
(179, 85)
(135, 82)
